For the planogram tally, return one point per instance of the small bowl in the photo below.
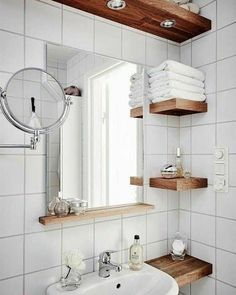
(79, 206)
(169, 171)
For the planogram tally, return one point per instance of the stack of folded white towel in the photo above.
(175, 80)
(136, 90)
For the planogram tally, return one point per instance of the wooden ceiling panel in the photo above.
(146, 15)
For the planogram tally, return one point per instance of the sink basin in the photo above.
(148, 281)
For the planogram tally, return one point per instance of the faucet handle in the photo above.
(106, 256)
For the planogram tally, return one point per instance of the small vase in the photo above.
(71, 281)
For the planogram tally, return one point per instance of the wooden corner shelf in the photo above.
(184, 272)
(178, 184)
(97, 213)
(147, 15)
(136, 112)
(134, 180)
(178, 107)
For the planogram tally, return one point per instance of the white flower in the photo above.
(74, 260)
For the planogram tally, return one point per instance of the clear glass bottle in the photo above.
(136, 254)
(178, 163)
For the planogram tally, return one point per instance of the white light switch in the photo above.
(221, 169)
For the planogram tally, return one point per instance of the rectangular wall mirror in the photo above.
(100, 146)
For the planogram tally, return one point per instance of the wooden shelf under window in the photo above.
(178, 107)
(97, 213)
(184, 272)
(136, 112)
(178, 184)
(134, 180)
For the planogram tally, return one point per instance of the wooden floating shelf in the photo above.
(178, 107)
(136, 112)
(147, 15)
(184, 272)
(134, 180)
(178, 184)
(97, 213)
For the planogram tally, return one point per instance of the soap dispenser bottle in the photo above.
(178, 163)
(136, 254)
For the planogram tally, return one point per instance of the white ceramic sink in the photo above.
(148, 281)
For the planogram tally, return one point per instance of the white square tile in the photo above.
(226, 267)
(173, 121)
(50, 28)
(226, 204)
(78, 31)
(186, 54)
(154, 119)
(72, 239)
(111, 229)
(173, 223)
(156, 227)
(202, 3)
(205, 286)
(173, 52)
(226, 105)
(36, 283)
(13, 166)
(209, 11)
(153, 165)
(201, 55)
(11, 215)
(226, 72)
(208, 117)
(203, 200)
(36, 258)
(157, 197)
(223, 289)
(12, 15)
(11, 60)
(185, 121)
(225, 13)
(184, 223)
(173, 140)
(154, 145)
(203, 229)
(184, 200)
(133, 46)
(225, 137)
(35, 53)
(185, 140)
(134, 226)
(157, 249)
(13, 286)
(35, 172)
(226, 43)
(202, 166)
(156, 51)
(107, 39)
(76, 10)
(205, 253)
(199, 143)
(173, 200)
(11, 257)
(226, 234)
(4, 77)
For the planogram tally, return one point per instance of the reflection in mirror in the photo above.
(99, 146)
(35, 99)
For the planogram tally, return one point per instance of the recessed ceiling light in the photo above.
(116, 4)
(168, 23)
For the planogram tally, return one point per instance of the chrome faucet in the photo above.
(105, 265)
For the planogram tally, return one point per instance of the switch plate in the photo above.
(221, 169)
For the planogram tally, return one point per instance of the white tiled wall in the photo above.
(30, 254)
(211, 217)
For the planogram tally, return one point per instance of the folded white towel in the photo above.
(175, 84)
(179, 68)
(175, 93)
(168, 75)
(135, 87)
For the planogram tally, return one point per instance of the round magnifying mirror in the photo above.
(35, 101)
